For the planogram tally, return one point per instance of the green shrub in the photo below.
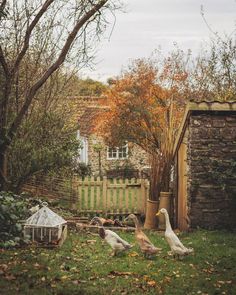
(13, 208)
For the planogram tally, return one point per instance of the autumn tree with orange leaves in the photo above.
(146, 107)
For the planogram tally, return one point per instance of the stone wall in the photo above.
(136, 160)
(211, 162)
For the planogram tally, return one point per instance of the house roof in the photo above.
(199, 107)
(88, 121)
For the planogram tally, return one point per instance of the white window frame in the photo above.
(118, 152)
(83, 151)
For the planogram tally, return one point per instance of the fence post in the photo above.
(72, 192)
(104, 193)
(143, 193)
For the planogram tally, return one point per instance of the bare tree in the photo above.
(27, 31)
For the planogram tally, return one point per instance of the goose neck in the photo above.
(136, 222)
(167, 219)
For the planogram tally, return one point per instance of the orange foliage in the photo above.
(145, 107)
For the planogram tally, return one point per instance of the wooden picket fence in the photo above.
(90, 194)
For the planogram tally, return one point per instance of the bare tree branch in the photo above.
(4, 63)
(28, 34)
(31, 93)
(2, 7)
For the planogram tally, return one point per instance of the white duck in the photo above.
(117, 243)
(177, 248)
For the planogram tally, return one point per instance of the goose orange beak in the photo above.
(158, 213)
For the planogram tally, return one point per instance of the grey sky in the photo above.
(150, 24)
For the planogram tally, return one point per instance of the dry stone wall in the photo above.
(212, 170)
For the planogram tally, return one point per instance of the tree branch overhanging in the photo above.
(28, 35)
(61, 58)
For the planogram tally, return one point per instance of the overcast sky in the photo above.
(151, 24)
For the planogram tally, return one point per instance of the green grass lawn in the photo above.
(83, 265)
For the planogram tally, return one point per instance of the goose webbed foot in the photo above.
(113, 253)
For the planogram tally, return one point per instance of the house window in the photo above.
(84, 149)
(116, 153)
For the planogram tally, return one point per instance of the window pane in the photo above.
(123, 152)
(112, 153)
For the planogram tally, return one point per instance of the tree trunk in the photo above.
(8, 129)
(3, 172)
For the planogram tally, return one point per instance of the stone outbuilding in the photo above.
(205, 167)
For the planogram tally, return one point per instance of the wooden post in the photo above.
(86, 193)
(143, 196)
(126, 195)
(104, 193)
(72, 196)
(92, 189)
(132, 196)
(74, 191)
(80, 192)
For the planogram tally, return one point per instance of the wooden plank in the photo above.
(63, 236)
(127, 196)
(119, 196)
(92, 201)
(116, 184)
(80, 194)
(88, 183)
(104, 193)
(86, 193)
(143, 198)
(132, 195)
(182, 187)
(97, 194)
(84, 226)
(111, 196)
(137, 195)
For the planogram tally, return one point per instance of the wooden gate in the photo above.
(113, 196)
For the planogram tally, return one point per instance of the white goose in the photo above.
(177, 248)
(117, 243)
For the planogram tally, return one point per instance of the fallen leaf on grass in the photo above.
(224, 282)
(36, 265)
(10, 277)
(192, 265)
(151, 283)
(133, 254)
(76, 282)
(119, 273)
(63, 278)
(91, 241)
(3, 267)
(210, 270)
(167, 279)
